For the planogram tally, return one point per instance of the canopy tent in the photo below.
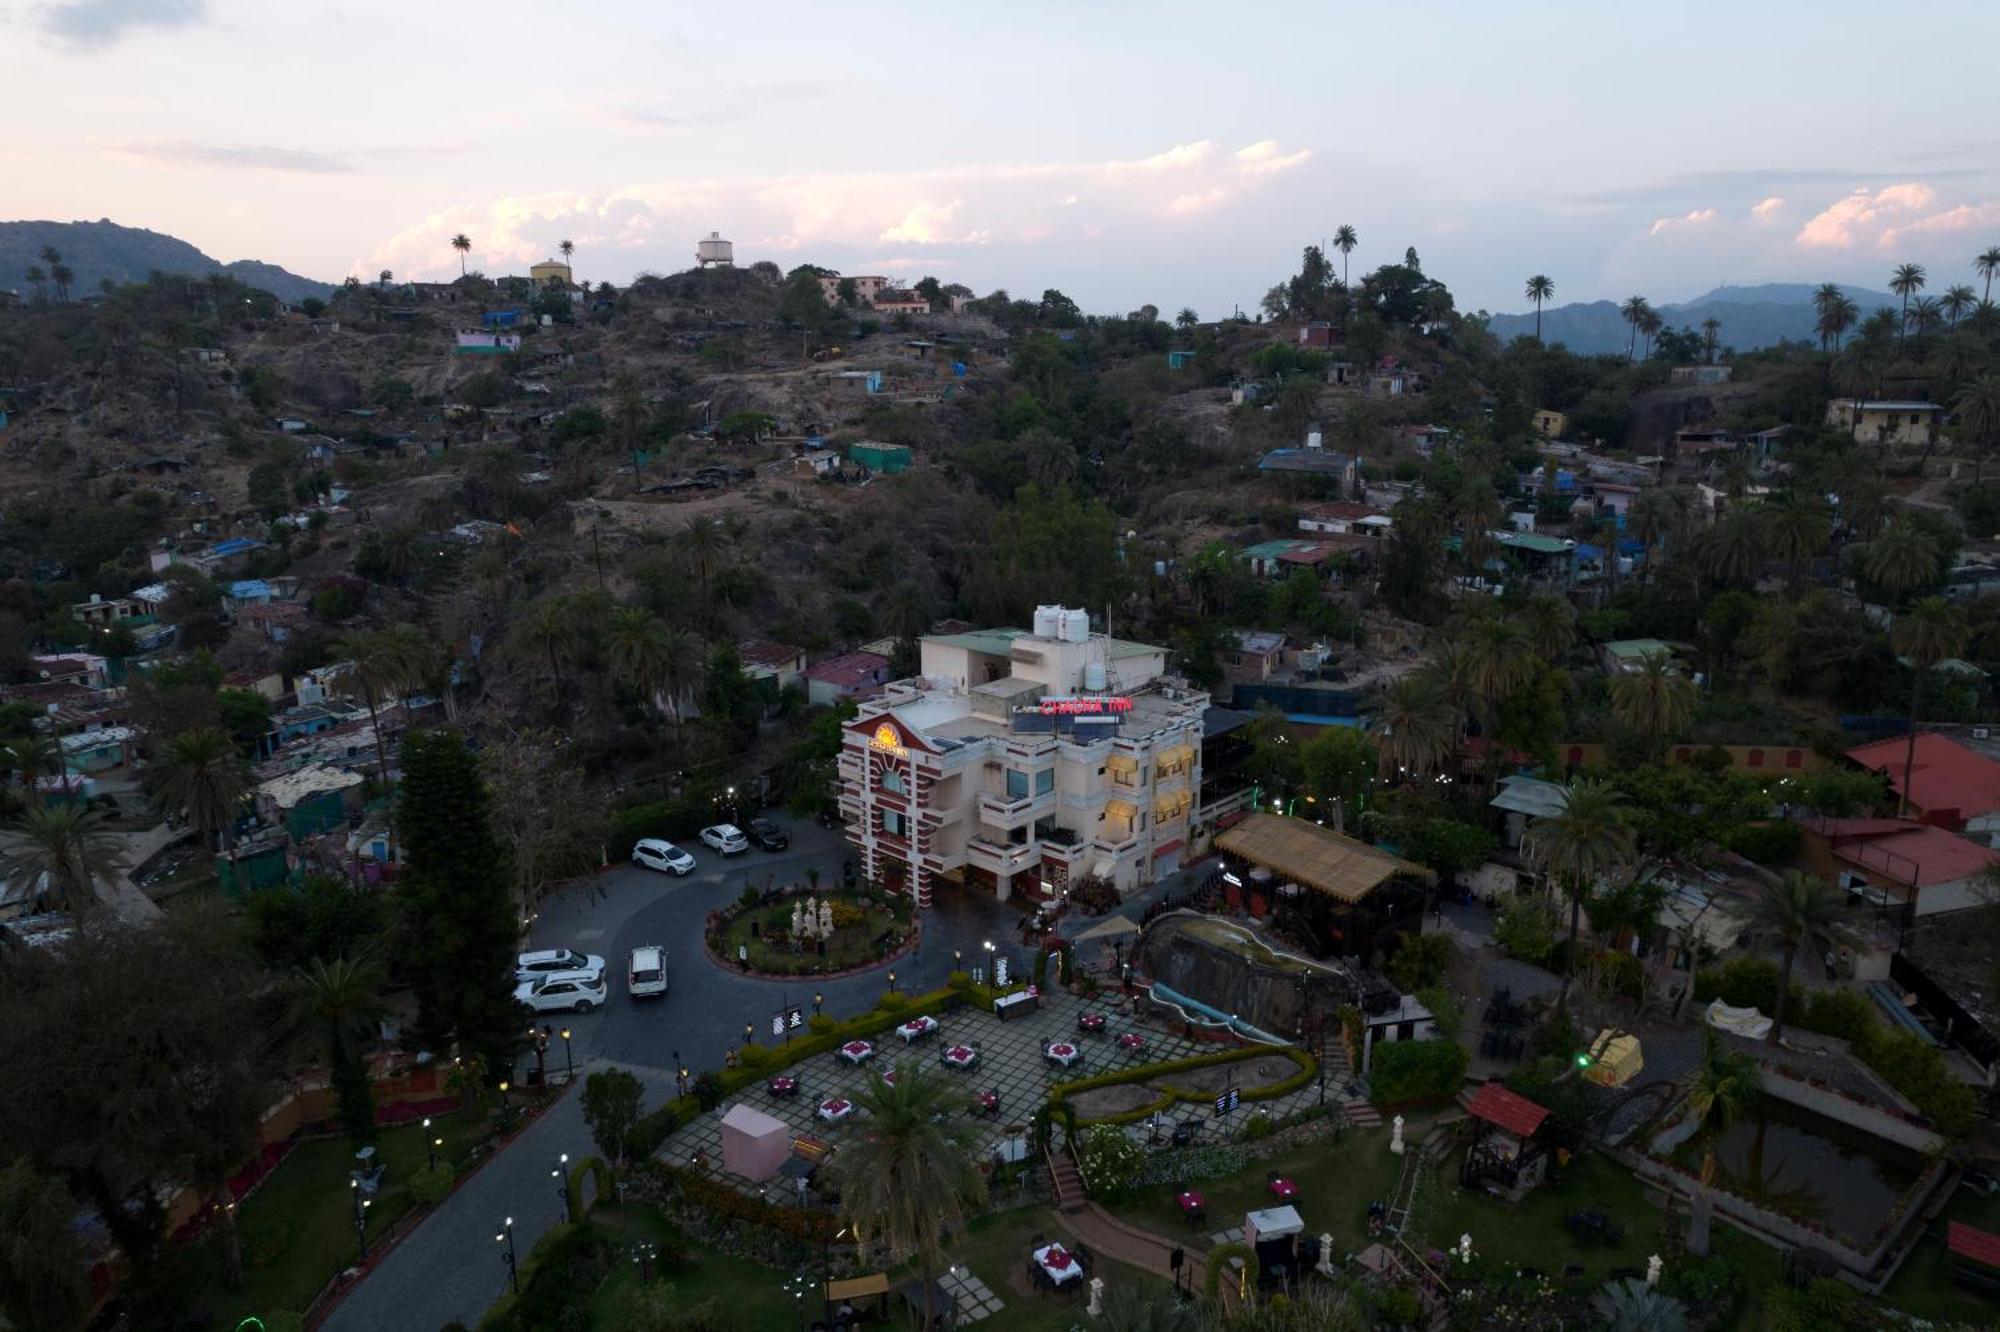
(858, 1288)
(1738, 1021)
(1614, 1060)
(1320, 858)
(1271, 1223)
(1116, 927)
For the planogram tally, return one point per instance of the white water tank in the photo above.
(1074, 626)
(1313, 437)
(1048, 621)
(1093, 677)
(715, 252)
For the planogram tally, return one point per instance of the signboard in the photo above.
(1078, 707)
(1000, 973)
(777, 1024)
(787, 1020)
(1227, 1101)
(888, 740)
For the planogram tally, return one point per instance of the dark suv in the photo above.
(766, 835)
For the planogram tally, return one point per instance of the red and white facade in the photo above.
(1025, 761)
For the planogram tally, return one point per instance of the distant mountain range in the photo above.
(98, 250)
(1752, 317)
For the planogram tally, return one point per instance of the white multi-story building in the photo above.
(1025, 760)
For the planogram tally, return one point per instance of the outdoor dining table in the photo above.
(988, 1102)
(959, 1056)
(917, 1028)
(835, 1110)
(1061, 1052)
(1131, 1040)
(888, 1077)
(1283, 1189)
(1061, 1267)
(856, 1052)
(1192, 1204)
(1090, 1022)
(783, 1085)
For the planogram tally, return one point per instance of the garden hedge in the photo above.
(1401, 1072)
(1171, 1094)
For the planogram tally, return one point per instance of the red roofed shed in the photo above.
(1498, 1106)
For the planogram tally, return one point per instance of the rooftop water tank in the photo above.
(1313, 438)
(1048, 620)
(1074, 626)
(715, 252)
(1093, 677)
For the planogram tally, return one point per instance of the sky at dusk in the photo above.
(1126, 153)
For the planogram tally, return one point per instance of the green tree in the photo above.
(1540, 288)
(549, 627)
(1339, 764)
(1797, 528)
(611, 1102)
(44, 1276)
(912, 1178)
(386, 664)
(245, 714)
(463, 244)
(1344, 240)
(1635, 311)
(1591, 840)
(1413, 727)
(203, 775)
(1801, 911)
(1977, 407)
(1733, 549)
(1549, 621)
(1901, 559)
(1724, 1087)
(1906, 282)
(462, 929)
(69, 844)
(343, 997)
(637, 645)
(1927, 633)
(1631, 1305)
(1656, 700)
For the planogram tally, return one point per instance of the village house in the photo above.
(1312, 460)
(851, 675)
(484, 341)
(1550, 424)
(1255, 658)
(1344, 517)
(1886, 422)
(1704, 375)
(99, 613)
(764, 659)
(1025, 760)
(901, 302)
(99, 749)
(816, 462)
(866, 288)
(1898, 864)
(1318, 335)
(1950, 784)
(551, 270)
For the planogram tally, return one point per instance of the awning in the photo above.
(1317, 857)
(1117, 927)
(875, 1283)
(1168, 848)
(1971, 1242)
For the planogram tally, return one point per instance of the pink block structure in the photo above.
(754, 1145)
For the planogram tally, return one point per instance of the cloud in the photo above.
(1766, 210)
(1842, 225)
(92, 25)
(698, 110)
(1693, 218)
(1263, 158)
(931, 224)
(1963, 217)
(271, 157)
(1201, 201)
(1177, 158)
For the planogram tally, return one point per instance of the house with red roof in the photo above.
(766, 659)
(1507, 1154)
(1950, 785)
(1897, 861)
(850, 675)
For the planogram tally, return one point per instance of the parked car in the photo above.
(726, 838)
(563, 991)
(767, 836)
(657, 853)
(533, 966)
(646, 973)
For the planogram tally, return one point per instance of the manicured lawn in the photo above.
(1924, 1286)
(996, 1248)
(745, 1294)
(1336, 1182)
(298, 1227)
(1531, 1231)
(771, 949)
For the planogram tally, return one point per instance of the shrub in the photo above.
(819, 1024)
(431, 1184)
(1918, 1071)
(1842, 1013)
(1420, 960)
(1765, 843)
(264, 1240)
(1403, 1071)
(958, 980)
(1110, 1161)
(755, 1056)
(1259, 1126)
(1526, 929)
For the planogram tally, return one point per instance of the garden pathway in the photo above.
(1108, 1237)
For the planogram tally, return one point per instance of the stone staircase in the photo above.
(1065, 1181)
(1340, 1072)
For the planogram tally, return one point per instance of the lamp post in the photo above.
(361, 1206)
(818, 1000)
(892, 981)
(987, 944)
(431, 1142)
(506, 1106)
(644, 1253)
(796, 1286)
(506, 1237)
(957, 960)
(749, 1032)
(561, 1176)
(569, 1061)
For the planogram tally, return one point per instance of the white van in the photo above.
(647, 974)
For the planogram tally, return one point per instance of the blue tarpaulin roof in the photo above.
(235, 546)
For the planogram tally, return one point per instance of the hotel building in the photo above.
(1025, 761)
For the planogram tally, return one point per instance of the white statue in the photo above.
(1396, 1135)
(825, 919)
(1653, 1268)
(1326, 1253)
(798, 920)
(1096, 1306)
(1055, 968)
(1465, 1248)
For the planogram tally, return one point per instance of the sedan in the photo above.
(726, 838)
(563, 992)
(767, 836)
(533, 966)
(654, 853)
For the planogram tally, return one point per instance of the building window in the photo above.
(892, 781)
(1045, 781)
(1017, 784)
(893, 823)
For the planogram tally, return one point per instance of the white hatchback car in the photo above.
(647, 974)
(533, 966)
(563, 992)
(726, 838)
(656, 853)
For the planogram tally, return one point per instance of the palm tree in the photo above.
(1927, 633)
(1711, 329)
(202, 774)
(1656, 700)
(1344, 240)
(1977, 406)
(912, 1177)
(1495, 657)
(1725, 1085)
(344, 997)
(1634, 312)
(1650, 324)
(1825, 299)
(1907, 281)
(1658, 514)
(387, 662)
(1589, 841)
(636, 647)
(37, 276)
(1550, 623)
(1802, 911)
(62, 275)
(682, 665)
(1631, 1305)
(701, 544)
(31, 757)
(65, 850)
(1986, 265)
(568, 248)
(1925, 315)
(1412, 725)
(1186, 319)
(382, 279)
(1733, 549)
(463, 244)
(1797, 527)
(549, 625)
(1540, 288)
(1957, 300)
(1901, 559)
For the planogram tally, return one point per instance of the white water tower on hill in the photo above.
(715, 252)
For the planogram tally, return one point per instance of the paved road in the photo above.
(449, 1268)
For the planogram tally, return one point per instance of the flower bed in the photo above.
(867, 929)
(1170, 1094)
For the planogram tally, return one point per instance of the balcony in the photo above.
(1009, 812)
(1115, 841)
(1001, 859)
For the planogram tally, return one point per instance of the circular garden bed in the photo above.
(867, 930)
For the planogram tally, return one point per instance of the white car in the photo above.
(726, 838)
(655, 853)
(647, 973)
(563, 992)
(533, 966)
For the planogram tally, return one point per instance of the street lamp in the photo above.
(561, 1176)
(749, 1033)
(431, 1142)
(644, 1253)
(506, 1236)
(569, 1062)
(957, 960)
(506, 1106)
(796, 1286)
(361, 1206)
(892, 982)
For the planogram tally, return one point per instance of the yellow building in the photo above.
(1551, 424)
(550, 270)
(1886, 422)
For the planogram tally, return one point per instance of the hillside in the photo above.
(95, 251)
(1752, 318)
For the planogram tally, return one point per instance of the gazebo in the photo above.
(1354, 898)
(1506, 1155)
